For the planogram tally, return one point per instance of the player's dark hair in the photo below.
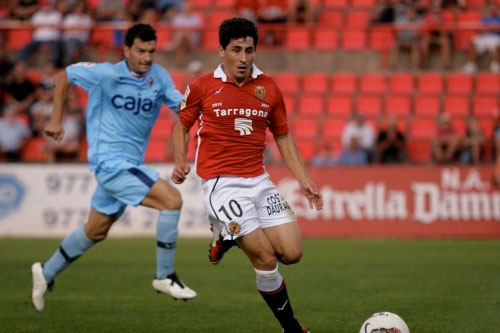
(142, 31)
(237, 27)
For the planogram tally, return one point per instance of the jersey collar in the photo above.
(219, 72)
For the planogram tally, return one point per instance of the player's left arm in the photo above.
(291, 157)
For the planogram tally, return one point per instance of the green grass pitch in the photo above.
(435, 285)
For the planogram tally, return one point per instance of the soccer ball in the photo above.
(384, 322)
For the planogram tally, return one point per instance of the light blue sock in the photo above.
(72, 247)
(166, 236)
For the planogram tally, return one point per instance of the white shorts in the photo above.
(241, 205)
(486, 42)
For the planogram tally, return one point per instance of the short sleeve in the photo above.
(85, 74)
(277, 120)
(172, 96)
(191, 105)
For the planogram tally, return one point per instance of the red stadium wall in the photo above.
(398, 201)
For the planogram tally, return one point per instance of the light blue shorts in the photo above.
(121, 183)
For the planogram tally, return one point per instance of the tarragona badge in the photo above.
(234, 228)
(260, 92)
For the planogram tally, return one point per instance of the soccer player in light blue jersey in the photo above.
(124, 101)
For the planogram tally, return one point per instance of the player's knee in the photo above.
(174, 201)
(97, 236)
(289, 258)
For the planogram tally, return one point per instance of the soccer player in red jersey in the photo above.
(234, 106)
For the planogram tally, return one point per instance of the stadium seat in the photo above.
(459, 124)
(227, 4)
(315, 83)
(331, 19)
(344, 83)
(162, 128)
(398, 105)
(93, 3)
(341, 4)
(369, 105)
(33, 150)
(297, 38)
(18, 38)
(456, 105)
(487, 125)
(364, 4)
(210, 40)
(373, 83)
(401, 84)
(339, 106)
(179, 79)
(156, 151)
(475, 4)
(332, 128)
(419, 151)
(430, 83)
(201, 4)
(353, 40)
(307, 149)
(34, 76)
(358, 19)
(305, 128)
(163, 36)
(381, 38)
(311, 105)
(289, 83)
(485, 106)
(463, 36)
(422, 128)
(459, 84)
(289, 104)
(325, 39)
(488, 84)
(426, 106)
(101, 37)
(214, 19)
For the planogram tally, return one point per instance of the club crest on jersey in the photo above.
(234, 228)
(149, 81)
(260, 92)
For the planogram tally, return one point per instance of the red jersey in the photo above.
(233, 122)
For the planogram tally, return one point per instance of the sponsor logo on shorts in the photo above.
(277, 204)
(234, 228)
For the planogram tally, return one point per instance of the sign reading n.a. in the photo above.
(404, 201)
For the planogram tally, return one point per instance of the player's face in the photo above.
(238, 58)
(140, 56)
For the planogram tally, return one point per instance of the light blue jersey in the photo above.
(122, 109)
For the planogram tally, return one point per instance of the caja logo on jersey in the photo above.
(132, 104)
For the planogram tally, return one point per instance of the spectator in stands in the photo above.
(41, 109)
(384, 12)
(13, 134)
(473, 143)
(22, 10)
(193, 71)
(486, 41)
(19, 88)
(390, 145)
(136, 8)
(76, 32)
(446, 144)
(358, 128)
(353, 154)
(149, 16)
(247, 9)
(167, 8)
(108, 10)
(407, 25)
(325, 157)
(67, 149)
(301, 11)
(47, 23)
(270, 12)
(186, 35)
(436, 31)
(496, 150)
(6, 64)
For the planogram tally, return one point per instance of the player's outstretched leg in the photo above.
(272, 287)
(218, 246)
(166, 280)
(72, 247)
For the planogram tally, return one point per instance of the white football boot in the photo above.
(174, 287)
(40, 286)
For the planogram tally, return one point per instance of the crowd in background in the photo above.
(64, 27)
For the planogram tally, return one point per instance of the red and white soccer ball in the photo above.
(384, 322)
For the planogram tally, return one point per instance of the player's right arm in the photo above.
(180, 139)
(54, 127)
